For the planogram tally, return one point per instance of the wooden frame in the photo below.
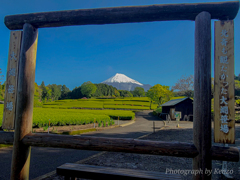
(201, 151)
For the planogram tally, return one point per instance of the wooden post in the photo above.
(24, 106)
(11, 82)
(224, 111)
(202, 96)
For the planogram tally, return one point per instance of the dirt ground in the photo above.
(170, 132)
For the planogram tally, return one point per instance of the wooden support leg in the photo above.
(24, 106)
(202, 96)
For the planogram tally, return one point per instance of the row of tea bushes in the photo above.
(126, 107)
(139, 103)
(61, 117)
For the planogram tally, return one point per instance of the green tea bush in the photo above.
(157, 111)
(62, 117)
(154, 106)
(126, 107)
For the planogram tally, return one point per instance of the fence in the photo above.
(201, 150)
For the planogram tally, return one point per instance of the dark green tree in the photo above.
(125, 93)
(88, 89)
(65, 92)
(76, 93)
(46, 92)
(55, 91)
(138, 92)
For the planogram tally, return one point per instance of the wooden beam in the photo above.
(217, 152)
(83, 171)
(178, 149)
(202, 96)
(24, 106)
(130, 14)
(223, 153)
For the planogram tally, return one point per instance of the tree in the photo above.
(125, 93)
(1, 86)
(88, 89)
(46, 92)
(116, 92)
(76, 93)
(184, 86)
(237, 77)
(160, 94)
(65, 91)
(237, 88)
(138, 92)
(1, 76)
(55, 91)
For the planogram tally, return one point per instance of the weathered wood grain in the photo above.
(109, 173)
(112, 144)
(217, 152)
(113, 15)
(224, 87)
(221, 153)
(178, 149)
(202, 95)
(24, 106)
(11, 82)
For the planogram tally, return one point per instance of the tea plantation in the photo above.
(61, 117)
(135, 103)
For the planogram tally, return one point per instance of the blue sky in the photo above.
(151, 53)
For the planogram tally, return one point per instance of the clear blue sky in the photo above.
(151, 53)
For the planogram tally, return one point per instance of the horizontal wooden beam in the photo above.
(129, 14)
(223, 153)
(178, 149)
(6, 137)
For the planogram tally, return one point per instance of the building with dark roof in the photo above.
(183, 105)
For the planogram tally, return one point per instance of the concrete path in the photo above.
(44, 160)
(142, 126)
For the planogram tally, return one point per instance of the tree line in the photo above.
(157, 93)
(54, 92)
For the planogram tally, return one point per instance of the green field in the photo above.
(85, 111)
(135, 103)
(60, 117)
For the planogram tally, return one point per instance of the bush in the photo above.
(157, 111)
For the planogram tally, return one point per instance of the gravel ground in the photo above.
(170, 132)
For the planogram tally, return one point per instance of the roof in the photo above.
(174, 101)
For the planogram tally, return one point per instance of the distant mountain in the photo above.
(122, 82)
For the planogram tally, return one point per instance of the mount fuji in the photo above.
(122, 82)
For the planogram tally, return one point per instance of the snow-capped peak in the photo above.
(121, 78)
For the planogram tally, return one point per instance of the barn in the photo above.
(183, 105)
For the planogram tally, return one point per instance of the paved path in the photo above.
(142, 126)
(44, 160)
